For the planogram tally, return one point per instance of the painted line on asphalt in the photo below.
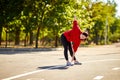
(98, 77)
(92, 61)
(37, 71)
(29, 73)
(116, 68)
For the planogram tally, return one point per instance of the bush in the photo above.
(115, 37)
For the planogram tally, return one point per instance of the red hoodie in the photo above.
(74, 35)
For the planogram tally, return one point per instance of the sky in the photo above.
(118, 7)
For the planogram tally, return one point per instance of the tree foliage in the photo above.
(43, 21)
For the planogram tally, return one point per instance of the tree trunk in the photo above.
(31, 38)
(25, 41)
(56, 39)
(6, 39)
(17, 36)
(1, 34)
(96, 38)
(38, 31)
(96, 33)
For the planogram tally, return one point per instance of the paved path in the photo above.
(98, 63)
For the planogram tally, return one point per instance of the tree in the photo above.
(57, 16)
(8, 10)
(115, 31)
(100, 12)
(47, 19)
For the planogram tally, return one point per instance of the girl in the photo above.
(71, 40)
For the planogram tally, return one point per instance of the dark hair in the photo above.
(85, 34)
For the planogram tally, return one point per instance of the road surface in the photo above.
(98, 63)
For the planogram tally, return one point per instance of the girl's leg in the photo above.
(65, 45)
(71, 52)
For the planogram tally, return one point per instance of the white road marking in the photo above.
(28, 79)
(100, 60)
(116, 68)
(29, 73)
(98, 77)
(33, 72)
(24, 74)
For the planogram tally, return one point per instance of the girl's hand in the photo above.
(74, 17)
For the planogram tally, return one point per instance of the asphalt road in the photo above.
(98, 63)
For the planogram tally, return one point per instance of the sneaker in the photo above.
(69, 64)
(77, 63)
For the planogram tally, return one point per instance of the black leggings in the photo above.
(67, 46)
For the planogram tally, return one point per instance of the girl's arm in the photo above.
(72, 51)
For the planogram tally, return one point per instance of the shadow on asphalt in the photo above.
(9, 51)
(54, 67)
